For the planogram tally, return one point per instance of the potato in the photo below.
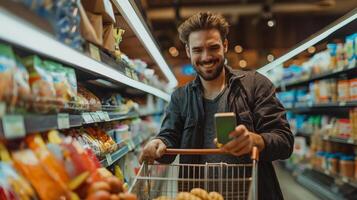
(116, 186)
(215, 196)
(99, 195)
(98, 186)
(186, 196)
(201, 193)
(127, 196)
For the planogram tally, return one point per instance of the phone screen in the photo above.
(224, 124)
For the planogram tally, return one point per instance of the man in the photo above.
(189, 118)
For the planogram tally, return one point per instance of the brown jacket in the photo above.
(252, 97)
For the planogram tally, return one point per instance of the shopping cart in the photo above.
(232, 181)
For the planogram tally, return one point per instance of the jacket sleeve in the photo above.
(171, 127)
(270, 121)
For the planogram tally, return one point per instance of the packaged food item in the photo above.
(87, 29)
(27, 163)
(341, 56)
(333, 57)
(343, 90)
(347, 166)
(8, 90)
(350, 47)
(15, 185)
(22, 82)
(94, 102)
(353, 89)
(41, 83)
(61, 84)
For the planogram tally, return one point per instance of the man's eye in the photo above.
(196, 50)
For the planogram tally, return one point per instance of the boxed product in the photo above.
(108, 38)
(8, 90)
(353, 89)
(350, 49)
(343, 90)
(87, 29)
(103, 7)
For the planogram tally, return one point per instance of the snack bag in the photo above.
(16, 186)
(22, 82)
(41, 83)
(94, 102)
(8, 90)
(26, 162)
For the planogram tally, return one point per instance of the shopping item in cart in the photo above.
(174, 181)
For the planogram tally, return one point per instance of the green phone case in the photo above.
(224, 123)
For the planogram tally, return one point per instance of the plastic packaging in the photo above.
(8, 90)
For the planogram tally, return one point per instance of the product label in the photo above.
(63, 120)
(87, 118)
(109, 159)
(14, 126)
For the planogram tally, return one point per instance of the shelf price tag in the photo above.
(106, 116)
(109, 159)
(95, 116)
(63, 121)
(14, 126)
(101, 115)
(87, 118)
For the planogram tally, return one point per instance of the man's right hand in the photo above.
(152, 150)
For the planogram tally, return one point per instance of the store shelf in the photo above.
(326, 75)
(339, 140)
(337, 177)
(39, 123)
(127, 146)
(305, 108)
(23, 34)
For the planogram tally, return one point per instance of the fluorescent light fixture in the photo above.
(128, 12)
(21, 33)
(349, 17)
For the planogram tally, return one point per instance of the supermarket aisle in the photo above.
(291, 189)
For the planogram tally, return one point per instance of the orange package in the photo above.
(26, 162)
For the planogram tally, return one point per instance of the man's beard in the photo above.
(213, 75)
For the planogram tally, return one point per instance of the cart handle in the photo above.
(254, 156)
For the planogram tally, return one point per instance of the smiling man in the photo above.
(189, 119)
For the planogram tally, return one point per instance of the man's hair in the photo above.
(203, 21)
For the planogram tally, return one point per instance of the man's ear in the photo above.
(187, 48)
(225, 45)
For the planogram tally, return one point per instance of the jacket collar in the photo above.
(231, 76)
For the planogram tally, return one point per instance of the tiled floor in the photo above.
(291, 189)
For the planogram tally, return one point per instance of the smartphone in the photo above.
(224, 124)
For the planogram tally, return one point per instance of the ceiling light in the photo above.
(270, 57)
(238, 49)
(311, 49)
(349, 17)
(128, 12)
(173, 51)
(271, 23)
(243, 63)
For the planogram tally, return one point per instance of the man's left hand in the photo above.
(243, 142)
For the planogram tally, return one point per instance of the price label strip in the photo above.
(101, 115)
(95, 116)
(63, 121)
(87, 118)
(14, 126)
(109, 159)
(106, 116)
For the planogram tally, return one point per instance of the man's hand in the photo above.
(243, 141)
(152, 150)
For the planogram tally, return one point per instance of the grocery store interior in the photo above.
(84, 85)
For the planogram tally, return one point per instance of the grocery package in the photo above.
(64, 92)
(91, 26)
(351, 49)
(8, 90)
(108, 37)
(353, 89)
(26, 162)
(194, 194)
(13, 185)
(22, 82)
(94, 102)
(102, 7)
(41, 83)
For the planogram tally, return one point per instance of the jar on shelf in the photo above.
(347, 166)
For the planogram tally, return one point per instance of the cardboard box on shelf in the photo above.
(108, 38)
(103, 7)
(91, 27)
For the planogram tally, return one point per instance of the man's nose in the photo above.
(206, 56)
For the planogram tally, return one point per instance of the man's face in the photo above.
(206, 51)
